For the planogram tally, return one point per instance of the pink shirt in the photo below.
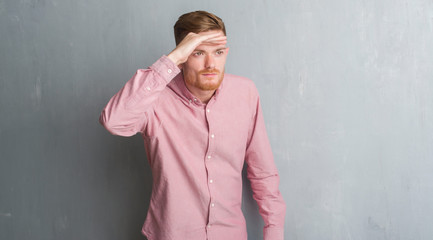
(196, 152)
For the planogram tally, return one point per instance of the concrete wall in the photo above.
(346, 87)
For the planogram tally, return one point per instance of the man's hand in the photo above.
(191, 41)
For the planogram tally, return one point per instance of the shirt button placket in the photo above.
(209, 162)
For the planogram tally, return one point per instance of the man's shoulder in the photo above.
(241, 89)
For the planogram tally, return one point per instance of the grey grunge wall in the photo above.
(346, 89)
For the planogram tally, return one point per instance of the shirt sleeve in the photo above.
(126, 112)
(263, 176)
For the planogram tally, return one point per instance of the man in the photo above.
(199, 125)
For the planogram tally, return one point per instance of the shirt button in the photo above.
(207, 110)
(169, 70)
(211, 181)
(208, 226)
(209, 157)
(148, 88)
(212, 136)
(212, 205)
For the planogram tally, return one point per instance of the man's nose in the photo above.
(210, 61)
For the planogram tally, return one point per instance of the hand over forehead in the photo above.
(214, 37)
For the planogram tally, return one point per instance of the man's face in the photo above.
(204, 69)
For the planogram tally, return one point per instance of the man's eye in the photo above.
(220, 52)
(198, 53)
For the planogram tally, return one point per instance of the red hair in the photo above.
(196, 22)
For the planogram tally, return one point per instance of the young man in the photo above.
(199, 125)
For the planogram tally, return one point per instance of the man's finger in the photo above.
(216, 40)
(205, 36)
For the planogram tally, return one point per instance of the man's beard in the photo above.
(209, 85)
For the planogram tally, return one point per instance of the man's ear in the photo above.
(227, 50)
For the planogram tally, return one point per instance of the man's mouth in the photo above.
(210, 74)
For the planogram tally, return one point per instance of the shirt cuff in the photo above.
(273, 233)
(166, 68)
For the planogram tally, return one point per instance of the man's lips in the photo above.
(210, 74)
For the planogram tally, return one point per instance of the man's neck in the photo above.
(202, 95)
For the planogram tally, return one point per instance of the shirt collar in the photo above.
(179, 87)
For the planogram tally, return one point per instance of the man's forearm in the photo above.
(124, 114)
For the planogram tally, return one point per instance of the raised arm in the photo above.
(126, 112)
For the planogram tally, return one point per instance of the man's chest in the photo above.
(221, 128)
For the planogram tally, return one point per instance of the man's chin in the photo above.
(211, 84)
(209, 87)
